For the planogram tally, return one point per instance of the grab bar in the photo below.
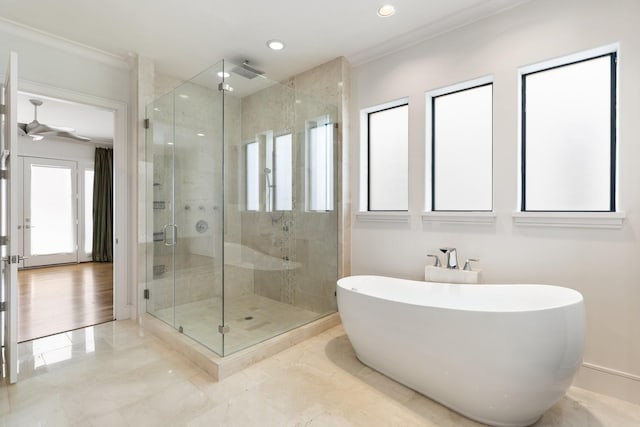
(174, 238)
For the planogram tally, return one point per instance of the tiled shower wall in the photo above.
(308, 238)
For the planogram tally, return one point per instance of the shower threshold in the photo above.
(250, 318)
(221, 367)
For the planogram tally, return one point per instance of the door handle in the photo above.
(14, 259)
(174, 237)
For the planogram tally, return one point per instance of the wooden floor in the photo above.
(61, 298)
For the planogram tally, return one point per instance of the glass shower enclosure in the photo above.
(241, 187)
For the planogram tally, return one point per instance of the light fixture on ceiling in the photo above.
(223, 74)
(275, 44)
(386, 10)
(183, 96)
(38, 131)
(200, 134)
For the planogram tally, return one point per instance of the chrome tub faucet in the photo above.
(452, 257)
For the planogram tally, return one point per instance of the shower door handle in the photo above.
(174, 237)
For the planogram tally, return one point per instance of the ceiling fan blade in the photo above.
(37, 128)
(22, 129)
(71, 135)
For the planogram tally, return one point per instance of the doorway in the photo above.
(61, 288)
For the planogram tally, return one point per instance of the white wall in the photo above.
(50, 61)
(603, 264)
(59, 68)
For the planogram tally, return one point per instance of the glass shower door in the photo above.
(184, 209)
(198, 201)
(160, 144)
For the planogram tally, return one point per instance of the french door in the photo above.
(50, 217)
(9, 219)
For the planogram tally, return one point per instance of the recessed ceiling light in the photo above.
(223, 74)
(183, 96)
(386, 11)
(169, 143)
(156, 109)
(275, 44)
(200, 134)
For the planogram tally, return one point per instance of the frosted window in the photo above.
(320, 161)
(462, 150)
(388, 159)
(253, 176)
(568, 137)
(88, 211)
(283, 163)
(52, 218)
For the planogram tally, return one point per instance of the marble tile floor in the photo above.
(251, 318)
(116, 375)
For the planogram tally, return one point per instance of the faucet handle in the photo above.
(467, 265)
(436, 263)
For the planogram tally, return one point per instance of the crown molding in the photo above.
(430, 31)
(61, 43)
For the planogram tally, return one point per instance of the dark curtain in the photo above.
(103, 206)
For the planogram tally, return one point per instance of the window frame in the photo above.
(246, 145)
(451, 90)
(365, 157)
(274, 169)
(330, 198)
(612, 53)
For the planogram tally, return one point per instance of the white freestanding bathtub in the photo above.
(499, 354)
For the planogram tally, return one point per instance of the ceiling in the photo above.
(184, 38)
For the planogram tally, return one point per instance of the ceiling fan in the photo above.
(38, 131)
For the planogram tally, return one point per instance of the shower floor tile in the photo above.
(251, 319)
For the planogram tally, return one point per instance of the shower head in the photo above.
(267, 172)
(247, 71)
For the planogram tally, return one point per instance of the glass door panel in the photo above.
(160, 209)
(50, 212)
(198, 201)
(88, 215)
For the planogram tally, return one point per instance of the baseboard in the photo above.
(603, 380)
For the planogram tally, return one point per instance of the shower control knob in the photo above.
(202, 226)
